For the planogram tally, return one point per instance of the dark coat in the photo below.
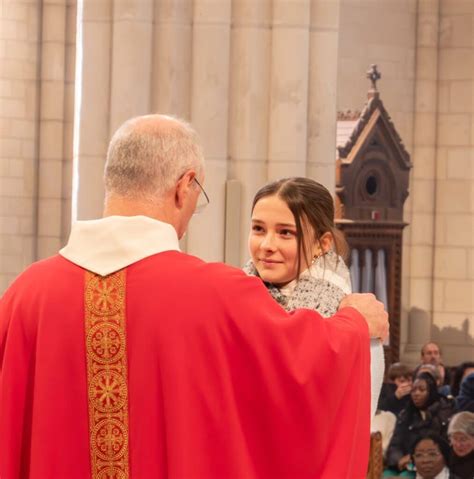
(463, 467)
(465, 399)
(410, 425)
(389, 402)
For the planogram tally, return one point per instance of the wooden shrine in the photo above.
(372, 176)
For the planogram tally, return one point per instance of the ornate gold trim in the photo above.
(106, 351)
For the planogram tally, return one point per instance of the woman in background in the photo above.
(427, 412)
(461, 437)
(296, 250)
(431, 458)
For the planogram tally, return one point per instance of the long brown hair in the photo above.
(310, 202)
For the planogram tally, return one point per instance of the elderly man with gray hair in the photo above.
(122, 357)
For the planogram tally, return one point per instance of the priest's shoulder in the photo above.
(42, 274)
(188, 268)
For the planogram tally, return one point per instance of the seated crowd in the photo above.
(427, 419)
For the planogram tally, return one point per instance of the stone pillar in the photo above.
(322, 111)
(51, 127)
(172, 40)
(69, 94)
(92, 107)
(209, 115)
(288, 112)
(248, 116)
(453, 307)
(171, 79)
(424, 165)
(131, 61)
(19, 93)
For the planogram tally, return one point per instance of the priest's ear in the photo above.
(184, 188)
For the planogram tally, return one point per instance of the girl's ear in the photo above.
(323, 245)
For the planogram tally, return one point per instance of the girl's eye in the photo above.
(257, 228)
(287, 233)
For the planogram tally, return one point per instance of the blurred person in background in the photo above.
(461, 437)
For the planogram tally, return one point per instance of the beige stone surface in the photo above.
(424, 162)
(459, 296)
(94, 121)
(130, 66)
(461, 96)
(455, 63)
(421, 291)
(171, 80)
(52, 100)
(288, 95)
(460, 163)
(54, 22)
(451, 263)
(210, 245)
(460, 230)
(454, 196)
(261, 82)
(210, 83)
(454, 130)
(421, 261)
(422, 228)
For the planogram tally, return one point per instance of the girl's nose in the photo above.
(268, 243)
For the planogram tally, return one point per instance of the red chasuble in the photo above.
(176, 368)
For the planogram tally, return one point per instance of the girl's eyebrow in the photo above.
(291, 225)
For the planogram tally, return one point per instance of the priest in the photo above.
(122, 357)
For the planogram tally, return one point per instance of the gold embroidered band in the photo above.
(106, 350)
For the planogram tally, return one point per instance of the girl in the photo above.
(296, 250)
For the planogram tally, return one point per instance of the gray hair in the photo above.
(148, 154)
(462, 422)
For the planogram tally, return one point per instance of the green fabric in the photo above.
(394, 473)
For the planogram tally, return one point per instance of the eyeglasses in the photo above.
(203, 199)
(430, 455)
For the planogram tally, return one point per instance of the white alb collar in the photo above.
(109, 244)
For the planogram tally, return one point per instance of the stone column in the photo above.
(248, 116)
(172, 40)
(420, 260)
(131, 60)
(171, 79)
(288, 112)
(322, 111)
(69, 94)
(51, 133)
(209, 115)
(92, 107)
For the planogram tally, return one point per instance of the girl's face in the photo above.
(463, 444)
(273, 243)
(419, 393)
(428, 459)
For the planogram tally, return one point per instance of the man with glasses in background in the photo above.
(124, 357)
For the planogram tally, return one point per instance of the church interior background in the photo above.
(264, 83)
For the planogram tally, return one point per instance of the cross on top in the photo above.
(373, 75)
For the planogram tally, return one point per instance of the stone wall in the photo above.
(37, 54)
(19, 109)
(256, 79)
(424, 49)
(453, 308)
